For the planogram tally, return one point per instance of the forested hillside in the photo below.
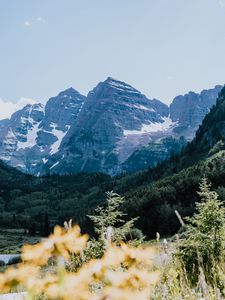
(173, 184)
(33, 203)
(153, 195)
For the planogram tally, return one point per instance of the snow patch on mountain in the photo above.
(142, 107)
(152, 127)
(55, 164)
(122, 86)
(32, 128)
(59, 134)
(138, 106)
(10, 138)
(31, 137)
(44, 160)
(9, 145)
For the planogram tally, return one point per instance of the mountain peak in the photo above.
(119, 85)
(112, 86)
(68, 92)
(109, 78)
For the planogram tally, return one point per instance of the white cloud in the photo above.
(24, 101)
(7, 108)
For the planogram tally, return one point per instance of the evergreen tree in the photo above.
(110, 227)
(109, 221)
(203, 243)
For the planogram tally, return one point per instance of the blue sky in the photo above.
(161, 47)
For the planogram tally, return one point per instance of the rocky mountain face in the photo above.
(187, 113)
(210, 137)
(114, 121)
(189, 110)
(35, 132)
(114, 129)
(118, 124)
(149, 155)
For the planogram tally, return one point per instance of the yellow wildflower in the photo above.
(21, 275)
(61, 242)
(122, 273)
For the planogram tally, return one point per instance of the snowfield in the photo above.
(152, 127)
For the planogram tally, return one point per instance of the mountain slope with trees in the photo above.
(152, 195)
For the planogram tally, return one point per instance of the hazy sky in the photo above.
(161, 47)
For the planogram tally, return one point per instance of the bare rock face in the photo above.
(153, 153)
(189, 110)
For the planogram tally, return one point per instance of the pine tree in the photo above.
(110, 227)
(109, 220)
(203, 243)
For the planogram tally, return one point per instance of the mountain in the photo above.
(152, 194)
(115, 120)
(19, 133)
(211, 133)
(153, 153)
(118, 124)
(189, 110)
(35, 132)
(155, 194)
(115, 129)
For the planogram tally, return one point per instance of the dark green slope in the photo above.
(26, 200)
(12, 178)
(156, 193)
(155, 202)
(153, 195)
